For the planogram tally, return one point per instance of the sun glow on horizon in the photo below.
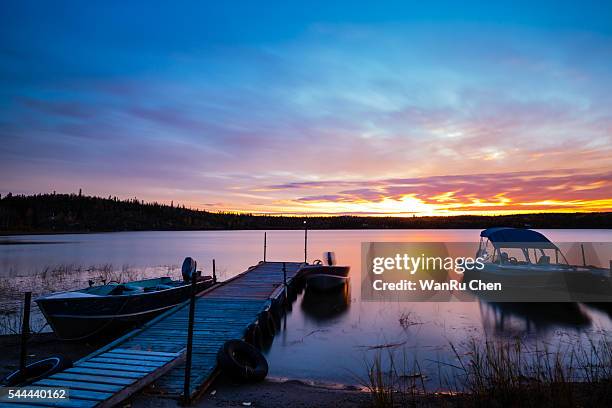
(409, 205)
(486, 194)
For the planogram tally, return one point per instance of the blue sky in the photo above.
(216, 105)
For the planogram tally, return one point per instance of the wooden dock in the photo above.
(154, 353)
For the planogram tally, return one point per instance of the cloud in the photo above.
(519, 191)
(286, 126)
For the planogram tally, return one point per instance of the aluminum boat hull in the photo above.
(81, 318)
(325, 278)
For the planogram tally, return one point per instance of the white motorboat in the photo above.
(532, 268)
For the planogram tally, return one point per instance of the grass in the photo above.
(500, 373)
(395, 380)
(504, 373)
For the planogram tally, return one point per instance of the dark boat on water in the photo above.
(324, 278)
(112, 308)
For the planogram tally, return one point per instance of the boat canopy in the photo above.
(502, 237)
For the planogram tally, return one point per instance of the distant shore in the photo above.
(72, 214)
(68, 232)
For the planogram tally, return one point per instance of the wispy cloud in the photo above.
(568, 190)
(280, 123)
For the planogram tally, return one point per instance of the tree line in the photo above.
(46, 213)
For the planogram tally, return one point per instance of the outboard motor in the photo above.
(189, 269)
(330, 257)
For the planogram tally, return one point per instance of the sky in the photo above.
(372, 108)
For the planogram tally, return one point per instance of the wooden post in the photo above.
(285, 274)
(214, 272)
(265, 245)
(305, 242)
(188, 356)
(610, 271)
(25, 330)
(583, 258)
(285, 280)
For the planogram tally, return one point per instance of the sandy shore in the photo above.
(268, 394)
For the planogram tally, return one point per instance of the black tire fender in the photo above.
(254, 336)
(277, 314)
(267, 324)
(37, 371)
(241, 361)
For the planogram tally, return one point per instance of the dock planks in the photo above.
(94, 384)
(155, 352)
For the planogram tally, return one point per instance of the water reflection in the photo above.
(323, 306)
(513, 318)
(605, 307)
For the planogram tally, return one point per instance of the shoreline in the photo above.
(270, 393)
(280, 392)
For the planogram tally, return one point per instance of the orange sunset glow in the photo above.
(490, 194)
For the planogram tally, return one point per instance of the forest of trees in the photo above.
(47, 213)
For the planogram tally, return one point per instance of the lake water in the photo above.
(324, 338)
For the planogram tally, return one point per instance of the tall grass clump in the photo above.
(499, 373)
(510, 373)
(393, 381)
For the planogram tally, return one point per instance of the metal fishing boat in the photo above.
(321, 277)
(109, 309)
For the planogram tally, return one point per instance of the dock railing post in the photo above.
(265, 245)
(188, 356)
(285, 278)
(214, 272)
(305, 242)
(25, 330)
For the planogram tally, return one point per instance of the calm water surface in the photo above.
(324, 338)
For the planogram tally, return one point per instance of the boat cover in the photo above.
(503, 237)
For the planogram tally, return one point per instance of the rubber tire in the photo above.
(267, 324)
(254, 336)
(292, 294)
(37, 371)
(242, 362)
(277, 314)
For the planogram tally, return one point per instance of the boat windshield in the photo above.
(519, 254)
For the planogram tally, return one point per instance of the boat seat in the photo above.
(126, 290)
(544, 260)
(132, 288)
